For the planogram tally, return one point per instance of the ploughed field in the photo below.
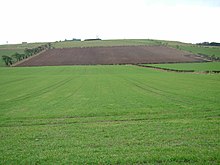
(110, 55)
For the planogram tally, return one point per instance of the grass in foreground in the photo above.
(108, 114)
(208, 66)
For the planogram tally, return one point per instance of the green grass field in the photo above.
(208, 66)
(108, 115)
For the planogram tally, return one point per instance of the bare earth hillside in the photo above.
(110, 55)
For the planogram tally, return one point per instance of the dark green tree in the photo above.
(27, 53)
(8, 60)
(17, 56)
(23, 56)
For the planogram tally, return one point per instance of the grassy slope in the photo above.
(209, 66)
(205, 50)
(202, 50)
(108, 114)
(70, 44)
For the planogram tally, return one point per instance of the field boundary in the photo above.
(180, 71)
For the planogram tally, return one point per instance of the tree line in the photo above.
(209, 44)
(9, 60)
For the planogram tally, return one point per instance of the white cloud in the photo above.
(50, 20)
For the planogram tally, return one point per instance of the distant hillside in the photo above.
(210, 51)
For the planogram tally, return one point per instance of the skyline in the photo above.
(47, 21)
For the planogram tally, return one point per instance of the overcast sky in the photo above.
(51, 20)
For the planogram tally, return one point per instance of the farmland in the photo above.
(10, 49)
(209, 51)
(108, 114)
(110, 55)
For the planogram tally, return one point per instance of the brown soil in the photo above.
(110, 55)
